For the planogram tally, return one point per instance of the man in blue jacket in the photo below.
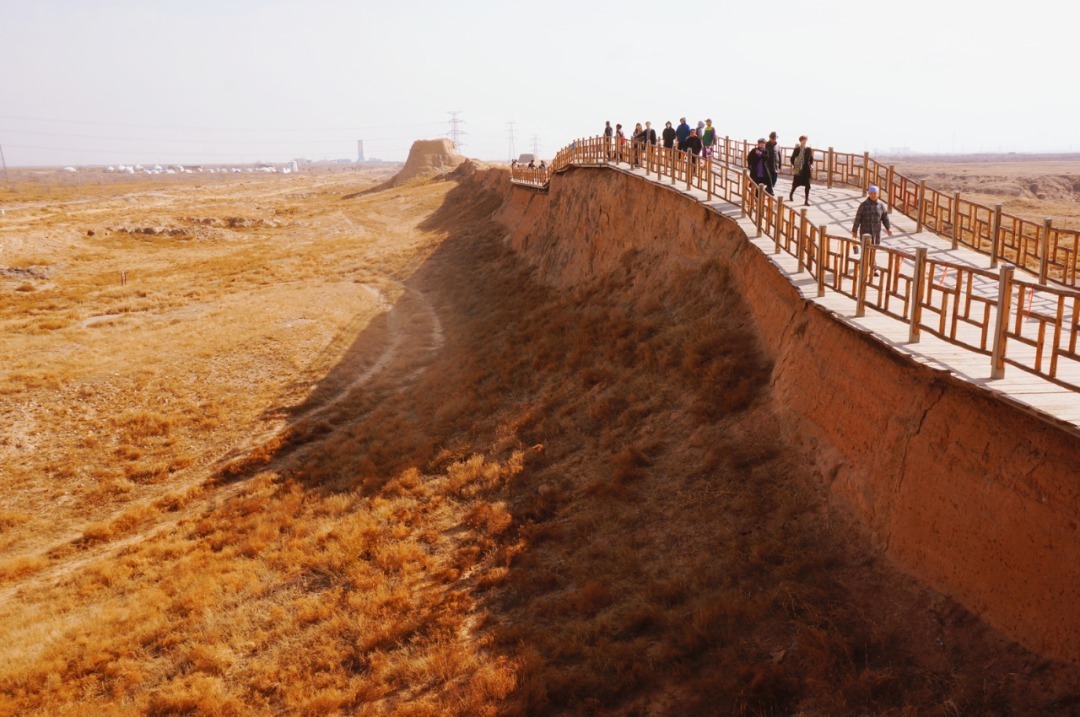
(682, 133)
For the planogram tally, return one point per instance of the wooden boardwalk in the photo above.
(835, 209)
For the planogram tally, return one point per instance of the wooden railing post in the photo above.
(860, 279)
(744, 194)
(916, 295)
(1004, 308)
(1044, 250)
(779, 224)
(708, 179)
(892, 202)
(689, 168)
(760, 207)
(919, 208)
(802, 239)
(829, 168)
(673, 158)
(865, 172)
(822, 258)
(995, 235)
(955, 220)
(727, 149)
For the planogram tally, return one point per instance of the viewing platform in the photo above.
(959, 287)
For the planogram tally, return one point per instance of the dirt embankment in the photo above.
(973, 497)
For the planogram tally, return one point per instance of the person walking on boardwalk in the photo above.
(681, 133)
(708, 139)
(650, 134)
(755, 161)
(668, 135)
(638, 139)
(802, 164)
(693, 146)
(620, 140)
(772, 160)
(870, 217)
(608, 134)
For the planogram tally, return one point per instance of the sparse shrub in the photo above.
(137, 425)
(491, 518)
(629, 464)
(593, 597)
(12, 518)
(21, 566)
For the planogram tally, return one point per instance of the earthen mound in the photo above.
(428, 156)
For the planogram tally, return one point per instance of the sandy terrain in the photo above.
(323, 455)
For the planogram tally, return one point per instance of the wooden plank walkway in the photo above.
(835, 208)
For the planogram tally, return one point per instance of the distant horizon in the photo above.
(343, 161)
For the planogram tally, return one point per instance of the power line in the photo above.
(456, 132)
(510, 134)
(536, 146)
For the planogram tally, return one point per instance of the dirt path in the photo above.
(415, 336)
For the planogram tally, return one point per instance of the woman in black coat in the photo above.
(802, 165)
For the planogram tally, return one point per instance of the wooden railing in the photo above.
(1028, 324)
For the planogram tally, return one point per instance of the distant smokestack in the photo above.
(360, 150)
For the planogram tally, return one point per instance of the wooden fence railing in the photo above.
(1028, 324)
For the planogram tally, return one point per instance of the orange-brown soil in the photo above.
(478, 479)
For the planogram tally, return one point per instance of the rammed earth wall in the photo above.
(976, 498)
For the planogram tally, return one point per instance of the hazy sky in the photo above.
(220, 81)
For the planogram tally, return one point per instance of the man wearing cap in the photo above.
(756, 162)
(870, 217)
(772, 160)
(708, 139)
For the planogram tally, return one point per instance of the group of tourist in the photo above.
(531, 165)
(763, 160)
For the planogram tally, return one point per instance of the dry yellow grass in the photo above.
(252, 489)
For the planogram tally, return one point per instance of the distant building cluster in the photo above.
(292, 166)
(265, 167)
